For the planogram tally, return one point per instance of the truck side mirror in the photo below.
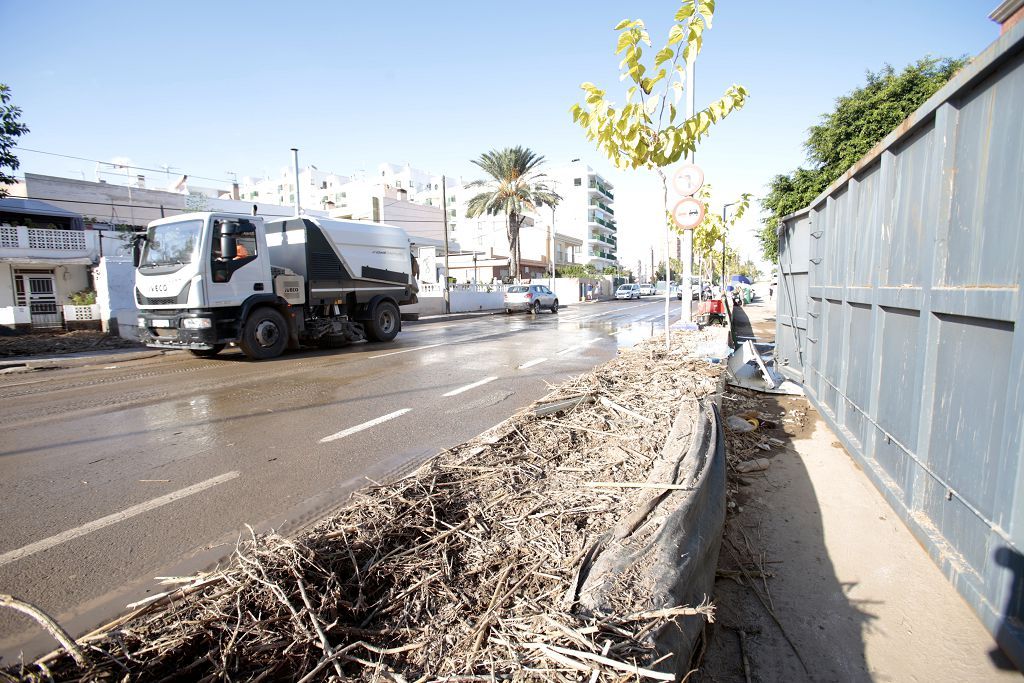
(138, 241)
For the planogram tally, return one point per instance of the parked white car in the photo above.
(628, 291)
(647, 289)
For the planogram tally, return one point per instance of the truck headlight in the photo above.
(141, 322)
(196, 323)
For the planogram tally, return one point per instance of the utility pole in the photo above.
(444, 210)
(551, 246)
(295, 163)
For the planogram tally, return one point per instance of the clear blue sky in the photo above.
(211, 87)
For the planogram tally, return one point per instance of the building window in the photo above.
(323, 185)
(398, 183)
(291, 198)
(577, 182)
(280, 188)
(452, 213)
(451, 199)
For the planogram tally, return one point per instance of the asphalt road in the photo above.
(113, 474)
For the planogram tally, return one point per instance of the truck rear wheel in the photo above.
(207, 353)
(383, 323)
(265, 334)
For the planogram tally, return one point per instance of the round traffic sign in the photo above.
(688, 213)
(688, 179)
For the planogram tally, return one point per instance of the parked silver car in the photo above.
(530, 298)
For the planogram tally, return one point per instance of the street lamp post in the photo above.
(724, 207)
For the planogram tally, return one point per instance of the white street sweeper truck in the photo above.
(207, 280)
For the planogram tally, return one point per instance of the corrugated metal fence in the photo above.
(900, 308)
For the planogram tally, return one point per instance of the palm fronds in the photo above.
(514, 187)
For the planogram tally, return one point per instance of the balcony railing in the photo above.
(594, 185)
(604, 207)
(42, 239)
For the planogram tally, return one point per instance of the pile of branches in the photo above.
(462, 571)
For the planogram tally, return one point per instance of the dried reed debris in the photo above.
(460, 571)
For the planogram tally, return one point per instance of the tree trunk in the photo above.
(513, 246)
(668, 257)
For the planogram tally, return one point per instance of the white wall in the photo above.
(463, 300)
(115, 294)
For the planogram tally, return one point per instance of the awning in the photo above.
(34, 207)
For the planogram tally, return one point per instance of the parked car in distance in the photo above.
(628, 291)
(530, 298)
(647, 289)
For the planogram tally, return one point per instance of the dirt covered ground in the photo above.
(60, 342)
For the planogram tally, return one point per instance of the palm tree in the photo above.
(515, 186)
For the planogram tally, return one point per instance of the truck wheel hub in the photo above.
(266, 333)
(387, 322)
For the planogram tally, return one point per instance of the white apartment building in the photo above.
(317, 189)
(585, 211)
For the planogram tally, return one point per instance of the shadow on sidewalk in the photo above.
(783, 615)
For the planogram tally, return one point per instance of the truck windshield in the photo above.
(171, 244)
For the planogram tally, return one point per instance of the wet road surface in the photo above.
(113, 474)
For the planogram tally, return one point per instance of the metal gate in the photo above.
(906, 277)
(37, 289)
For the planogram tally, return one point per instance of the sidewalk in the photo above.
(851, 588)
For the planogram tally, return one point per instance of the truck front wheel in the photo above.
(383, 323)
(265, 334)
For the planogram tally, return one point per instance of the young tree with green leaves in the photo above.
(515, 186)
(10, 130)
(647, 131)
(859, 121)
(714, 229)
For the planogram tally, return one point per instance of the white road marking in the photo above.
(577, 347)
(474, 385)
(428, 329)
(366, 425)
(535, 361)
(418, 348)
(64, 537)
